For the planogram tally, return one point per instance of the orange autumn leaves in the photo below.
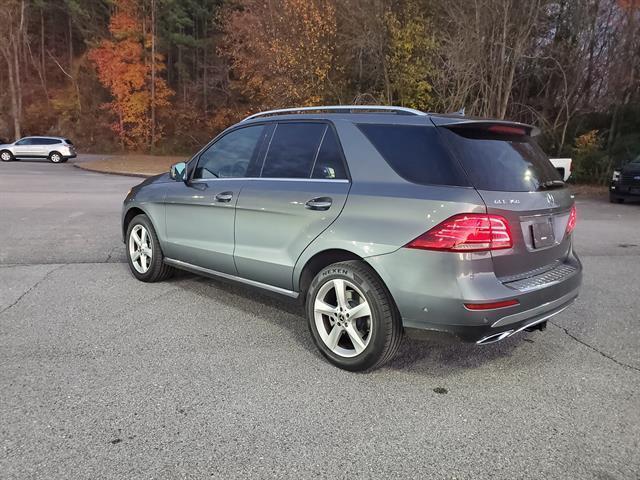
(124, 65)
(280, 52)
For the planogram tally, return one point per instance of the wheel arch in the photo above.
(323, 259)
(130, 214)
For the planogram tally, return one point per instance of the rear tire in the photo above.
(615, 199)
(6, 156)
(352, 317)
(144, 254)
(56, 157)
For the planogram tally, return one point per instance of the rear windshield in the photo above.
(69, 142)
(416, 153)
(502, 163)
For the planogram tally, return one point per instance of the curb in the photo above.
(121, 174)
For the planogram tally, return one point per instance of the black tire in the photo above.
(615, 199)
(158, 270)
(4, 158)
(56, 157)
(386, 330)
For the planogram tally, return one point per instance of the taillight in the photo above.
(573, 218)
(466, 232)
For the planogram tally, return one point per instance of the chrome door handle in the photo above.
(224, 197)
(321, 203)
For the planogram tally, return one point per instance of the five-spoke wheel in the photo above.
(140, 250)
(352, 317)
(143, 251)
(343, 317)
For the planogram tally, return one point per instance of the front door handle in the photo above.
(224, 197)
(321, 203)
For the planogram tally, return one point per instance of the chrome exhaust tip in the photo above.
(496, 337)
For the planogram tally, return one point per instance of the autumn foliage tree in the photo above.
(125, 66)
(281, 52)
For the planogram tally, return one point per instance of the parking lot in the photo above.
(103, 376)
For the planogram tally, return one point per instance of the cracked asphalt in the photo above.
(105, 377)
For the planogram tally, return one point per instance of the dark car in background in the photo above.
(625, 184)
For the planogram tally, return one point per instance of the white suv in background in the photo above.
(56, 149)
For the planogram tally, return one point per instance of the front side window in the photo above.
(25, 141)
(292, 150)
(230, 156)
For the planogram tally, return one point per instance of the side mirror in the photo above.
(178, 172)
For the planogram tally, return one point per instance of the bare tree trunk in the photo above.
(42, 61)
(204, 71)
(6, 53)
(70, 44)
(153, 73)
(18, 82)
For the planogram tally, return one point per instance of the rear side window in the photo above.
(416, 153)
(68, 142)
(292, 150)
(499, 162)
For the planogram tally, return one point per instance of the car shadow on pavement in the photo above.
(438, 353)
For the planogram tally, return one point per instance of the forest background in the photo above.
(165, 76)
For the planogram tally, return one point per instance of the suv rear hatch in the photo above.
(517, 181)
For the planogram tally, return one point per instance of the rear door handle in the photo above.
(321, 203)
(224, 197)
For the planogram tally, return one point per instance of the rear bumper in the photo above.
(431, 288)
(617, 190)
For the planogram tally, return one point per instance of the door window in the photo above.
(293, 149)
(25, 141)
(329, 164)
(230, 156)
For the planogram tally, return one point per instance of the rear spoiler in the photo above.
(457, 121)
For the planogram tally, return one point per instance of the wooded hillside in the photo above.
(167, 75)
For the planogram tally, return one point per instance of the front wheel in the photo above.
(352, 317)
(144, 254)
(6, 156)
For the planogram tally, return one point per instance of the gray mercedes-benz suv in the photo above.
(378, 218)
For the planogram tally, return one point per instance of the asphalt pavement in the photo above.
(102, 376)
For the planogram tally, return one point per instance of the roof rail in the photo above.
(338, 109)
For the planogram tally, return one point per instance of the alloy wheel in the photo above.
(5, 156)
(140, 248)
(55, 158)
(343, 317)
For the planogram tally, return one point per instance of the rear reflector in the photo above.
(466, 232)
(573, 218)
(491, 306)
